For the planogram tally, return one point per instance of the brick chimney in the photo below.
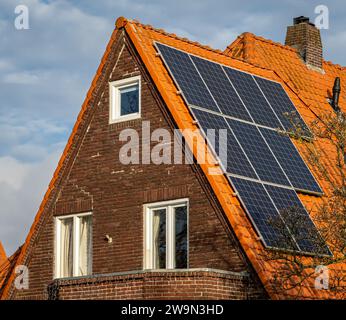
(306, 38)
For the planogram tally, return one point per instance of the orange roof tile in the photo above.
(245, 47)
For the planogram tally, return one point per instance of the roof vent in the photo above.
(306, 38)
(336, 94)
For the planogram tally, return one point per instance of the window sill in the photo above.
(125, 118)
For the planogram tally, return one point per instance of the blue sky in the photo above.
(46, 71)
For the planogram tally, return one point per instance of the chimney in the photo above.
(306, 38)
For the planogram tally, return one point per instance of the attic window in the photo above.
(125, 101)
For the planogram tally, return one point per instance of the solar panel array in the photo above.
(263, 165)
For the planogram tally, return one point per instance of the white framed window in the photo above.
(166, 235)
(73, 245)
(125, 99)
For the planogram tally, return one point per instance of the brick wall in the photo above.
(192, 285)
(94, 180)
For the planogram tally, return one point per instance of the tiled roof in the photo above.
(6, 267)
(143, 37)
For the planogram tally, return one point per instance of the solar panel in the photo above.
(263, 214)
(221, 89)
(258, 152)
(187, 77)
(253, 98)
(297, 220)
(291, 161)
(215, 94)
(282, 105)
(237, 162)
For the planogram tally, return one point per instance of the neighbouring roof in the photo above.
(267, 63)
(6, 267)
(3, 256)
(311, 86)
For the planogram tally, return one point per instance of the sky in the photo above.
(46, 70)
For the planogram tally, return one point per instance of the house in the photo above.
(113, 230)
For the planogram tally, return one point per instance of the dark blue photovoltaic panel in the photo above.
(221, 89)
(253, 98)
(187, 77)
(282, 105)
(258, 152)
(297, 220)
(236, 159)
(290, 160)
(264, 214)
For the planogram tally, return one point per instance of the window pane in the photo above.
(66, 248)
(85, 246)
(159, 237)
(181, 237)
(129, 100)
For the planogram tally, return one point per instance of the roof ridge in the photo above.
(121, 22)
(335, 65)
(274, 43)
(281, 45)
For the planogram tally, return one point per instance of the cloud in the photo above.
(22, 187)
(12, 172)
(21, 78)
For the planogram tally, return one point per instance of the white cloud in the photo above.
(22, 187)
(21, 78)
(12, 172)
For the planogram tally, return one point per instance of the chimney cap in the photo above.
(302, 19)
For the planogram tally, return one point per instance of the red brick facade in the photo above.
(94, 180)
(192, 284)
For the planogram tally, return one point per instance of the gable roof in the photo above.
(142, 37)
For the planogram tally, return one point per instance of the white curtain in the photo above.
(66, 259)
(156, 234)
(85, 246)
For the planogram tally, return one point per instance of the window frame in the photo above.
(148, 257)
(115, 99)
(76, 234)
